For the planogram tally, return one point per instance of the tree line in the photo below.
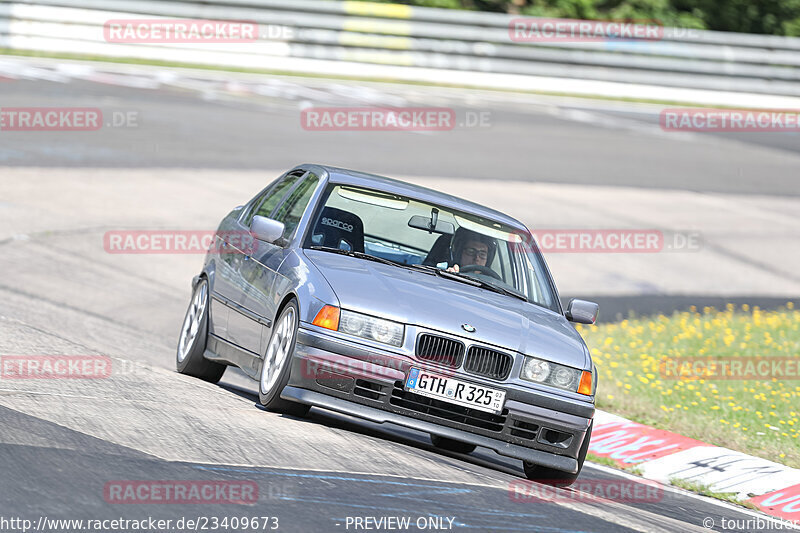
(775, 17)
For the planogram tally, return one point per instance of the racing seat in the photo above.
(340, 229)
(440, 251)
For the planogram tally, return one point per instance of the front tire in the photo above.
(452, 445)
(559, 478)
(277, 364)
(194, 335)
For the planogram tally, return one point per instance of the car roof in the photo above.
(343, 176)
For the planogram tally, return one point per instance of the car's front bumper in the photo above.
(332, 373)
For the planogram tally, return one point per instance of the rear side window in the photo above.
(270, 200)
(291, 211)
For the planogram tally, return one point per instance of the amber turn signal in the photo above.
(586, 384)
(328, 318)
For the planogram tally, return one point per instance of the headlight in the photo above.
(535, 370)
(560, 376)
(369, 327)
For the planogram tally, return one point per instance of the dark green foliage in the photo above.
(777, 17)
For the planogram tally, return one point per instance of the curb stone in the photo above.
(662, 455)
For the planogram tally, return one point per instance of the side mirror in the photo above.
(266, 229)
(582, 312)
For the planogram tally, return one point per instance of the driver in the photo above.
(470, 248)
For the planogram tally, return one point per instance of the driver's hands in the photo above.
(453, 268)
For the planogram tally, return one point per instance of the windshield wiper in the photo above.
(475, 282)
(353, 253)
(502, 290)
(492, 287)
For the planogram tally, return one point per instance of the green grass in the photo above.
(605, 461)
(704, 490)
(760, 417)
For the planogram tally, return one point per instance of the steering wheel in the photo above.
(486, 271)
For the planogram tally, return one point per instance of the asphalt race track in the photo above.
(194, 153)
(239, 123)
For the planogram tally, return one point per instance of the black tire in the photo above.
(192, 341)
(559, 478)
(282, 350)
(452, 445)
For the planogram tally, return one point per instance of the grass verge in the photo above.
(758, 416)
(605, 461)
(704, 490)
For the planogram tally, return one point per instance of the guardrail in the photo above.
(317, 36)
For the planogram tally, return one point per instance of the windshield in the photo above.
(409, 232)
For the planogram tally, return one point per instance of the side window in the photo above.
(270, 200)
(291, 211)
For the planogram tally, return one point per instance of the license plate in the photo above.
(455, 391)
